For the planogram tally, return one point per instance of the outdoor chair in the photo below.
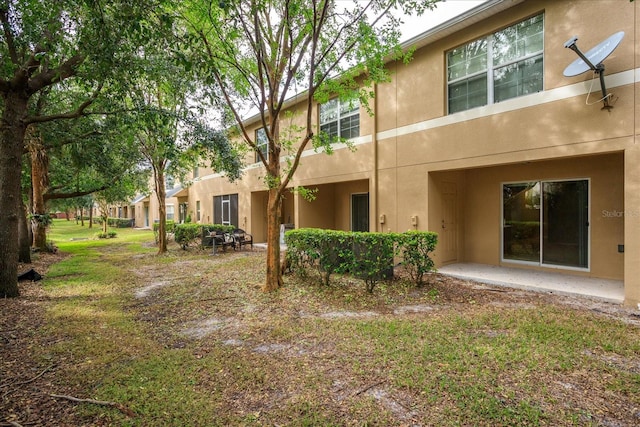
(242, 238)
(224, 240)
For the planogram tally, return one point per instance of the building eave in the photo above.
(460, 22)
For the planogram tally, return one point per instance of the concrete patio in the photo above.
(542, 281)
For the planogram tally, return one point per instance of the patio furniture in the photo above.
(242, 238)
(223, 240)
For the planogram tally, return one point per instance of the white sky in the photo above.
(444, 11)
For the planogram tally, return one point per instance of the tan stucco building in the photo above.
(483, 139)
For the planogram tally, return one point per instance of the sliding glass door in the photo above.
(546, 222)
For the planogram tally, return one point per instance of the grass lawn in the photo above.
(188, 339)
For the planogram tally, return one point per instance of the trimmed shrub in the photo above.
(186, 234)
(417, 247)
(170, 226)
(373, 255)
(368, 256)
(114, 222)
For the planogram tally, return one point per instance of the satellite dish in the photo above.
(592, 60)
(594, 56)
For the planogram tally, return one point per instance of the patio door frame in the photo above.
(359, 219)
(225, 209)
(540, 261)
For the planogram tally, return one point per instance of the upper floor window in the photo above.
(503, 65)
(262, 143)
(169, 182)
(340, 119)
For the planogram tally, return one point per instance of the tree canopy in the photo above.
(259, 54)
(77, 48)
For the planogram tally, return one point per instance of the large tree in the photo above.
(72, 159)
(46, 44)
(260, 53)
(170, 136)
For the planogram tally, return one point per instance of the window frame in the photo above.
(492, 64)
(540, 262)
(342, 114)
(262, 146)
(225, 209)
(173, 212)
(360, 220)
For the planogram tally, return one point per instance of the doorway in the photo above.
(360, 212)
(448, 232)
(225, 209)
(546, 222)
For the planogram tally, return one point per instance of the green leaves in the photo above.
(368, 256)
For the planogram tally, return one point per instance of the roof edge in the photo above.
(459, 22)
(440, 31)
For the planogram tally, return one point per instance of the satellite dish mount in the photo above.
(595, 56)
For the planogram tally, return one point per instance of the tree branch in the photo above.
(4, 84)
(71, 141)
(64, 71)
(8, 36)
(55, 196)
(70, 115)
(128, 412)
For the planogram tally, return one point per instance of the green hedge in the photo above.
(114, 222)
(170, 226)
(417, 247)
(186, 233)
(368, 256)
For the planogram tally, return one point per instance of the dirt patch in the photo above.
(348, 314)
(419, 308)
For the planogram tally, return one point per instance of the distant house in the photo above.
(482, 139)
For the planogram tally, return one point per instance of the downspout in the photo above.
(374, 141)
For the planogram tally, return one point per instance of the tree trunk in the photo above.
(39, 184)
(91, 217)
(274, 209)
(12, 131)
(81, 216)
(274, 273)
(158, 173)
(24, 254)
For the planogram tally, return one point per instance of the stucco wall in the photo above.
(482, 218)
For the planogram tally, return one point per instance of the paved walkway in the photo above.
(564, 284)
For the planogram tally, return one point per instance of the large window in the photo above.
(546, 222)
(170, 213)
(340, 119)
(225, 209)
(262, 142)
(503, 65)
